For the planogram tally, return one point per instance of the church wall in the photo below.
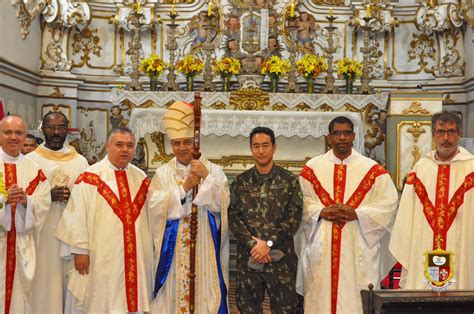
(24, 53)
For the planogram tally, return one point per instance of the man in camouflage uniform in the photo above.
(264, 214)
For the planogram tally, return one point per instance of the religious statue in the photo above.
(306, 27)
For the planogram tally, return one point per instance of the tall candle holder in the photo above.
(208, 47)
(135, 22)
(365, 77)
(292, 48)
(329, 51)
(171, 46)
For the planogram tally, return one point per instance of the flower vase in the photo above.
(154, 83)
(349, 85)
(274, 84)
(225, 83)
(189, 83)
(310, 85)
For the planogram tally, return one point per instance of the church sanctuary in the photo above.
(388, 67)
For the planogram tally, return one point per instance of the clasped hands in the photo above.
(260, 251)
(60, 194)
(198, 172)
(16, 195)
(338, 213)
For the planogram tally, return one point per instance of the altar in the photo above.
(300, 122)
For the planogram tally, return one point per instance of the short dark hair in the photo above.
(446, 116)
(340, 120)
(264, 130)
(50, 113)
(29, 135)
(120, 129)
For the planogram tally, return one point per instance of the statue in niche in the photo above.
(199, 26)
(116, 117)
(274, 48)
(233, 27)
(306, 28)
(251, 28)
(232, 49)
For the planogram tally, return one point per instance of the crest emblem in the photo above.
(439, 270)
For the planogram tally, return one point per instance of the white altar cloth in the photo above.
(240, 122)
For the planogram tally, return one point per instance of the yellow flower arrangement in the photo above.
(349, 69)
(275, 67)
(227, 67)
(310, 66)
(153, 66)
(190, 65)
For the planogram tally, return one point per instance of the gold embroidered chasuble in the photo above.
(108, 216)
(335, 264)
(213, 196)
(436, 210)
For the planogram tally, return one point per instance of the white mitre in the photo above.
(178, 120)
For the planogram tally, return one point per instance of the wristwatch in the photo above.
(269, 243)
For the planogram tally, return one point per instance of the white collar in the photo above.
(10, 159)
(462, 155)
(336, 160)
(65, 149)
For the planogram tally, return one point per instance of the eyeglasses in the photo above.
(441, 132)
(52, 128)
(341, 133)
(10, 133)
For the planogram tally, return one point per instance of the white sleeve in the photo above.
(25, 218)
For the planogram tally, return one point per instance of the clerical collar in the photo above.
(10, 159)
(345, 161)
(114, 167)
(63, 150)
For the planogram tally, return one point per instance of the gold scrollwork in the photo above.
(229, 161)
(249, 99)
(302, 107)
(326, 108)
(375, 123)
(329, 2)
(57, 92)
(415, 108)
(416, 155)
(279, 107)
(160, 156)
(422, 47)
(416, 130)
(87, 42)
(218, 105)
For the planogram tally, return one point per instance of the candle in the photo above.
(330, 11)
(367, 13)
(138, 7)
(209, 9)
(172, 9)
(292, 9)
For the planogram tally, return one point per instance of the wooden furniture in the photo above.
(417, 301)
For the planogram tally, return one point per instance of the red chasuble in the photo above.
(128, 212)
(11, 179)
(354, 201)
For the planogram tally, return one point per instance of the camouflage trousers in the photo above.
(250, 293)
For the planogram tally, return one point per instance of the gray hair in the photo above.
(446, 116)
(121, 130)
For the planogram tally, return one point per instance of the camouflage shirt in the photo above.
(268, 207)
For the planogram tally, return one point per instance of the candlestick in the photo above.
(209, 9)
